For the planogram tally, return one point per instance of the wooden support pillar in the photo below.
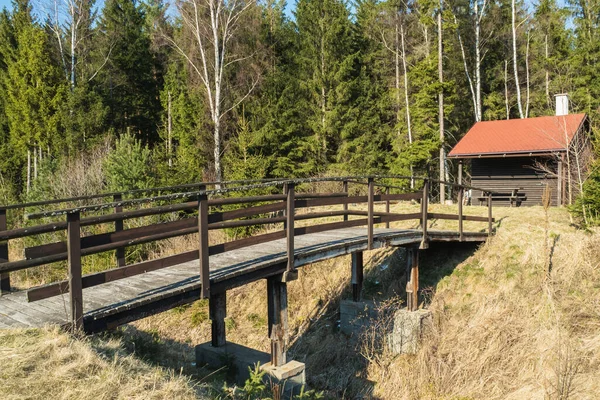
(370, 219)
(203, 245)
(345, 190)
(74, 261)
(277, 319)
(412, 280)
(120, 252)
(357, 275)
(424, 214)
(217, 308)
(4, 278)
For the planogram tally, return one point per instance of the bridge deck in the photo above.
(124, 300)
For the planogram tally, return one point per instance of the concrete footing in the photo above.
(237, 358)
(409, 328)
(355, 315)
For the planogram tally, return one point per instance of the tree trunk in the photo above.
(408, 123)
(515, 67)
(169, 131)
(506, 89)
(464, 58)
(478, 60)
(441, 108)
(28, 170)
(527, 95)
(547, 72)
(397, 70)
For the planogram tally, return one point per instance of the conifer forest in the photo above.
(130, 94)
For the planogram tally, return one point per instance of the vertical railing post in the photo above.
(290, 211)
(490, 214)
(345, 189)
(460, 212)
(74, 261)
(424, 212)
(120, 253)
(4, 278)
(203, 244)
(370, 219)
(387, 206)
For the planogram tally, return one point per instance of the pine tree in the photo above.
(327, 62)
(127, 80)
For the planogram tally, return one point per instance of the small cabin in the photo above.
(524, 160)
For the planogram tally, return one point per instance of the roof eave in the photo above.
(547, 152)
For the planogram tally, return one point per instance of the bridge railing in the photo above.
(282, 208)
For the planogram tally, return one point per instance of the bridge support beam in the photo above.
(278, 319)
(412, 278)
(217, 308)
(357, 275)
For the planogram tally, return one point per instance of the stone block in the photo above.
(408, 330)
(355, 315)
(290, 377)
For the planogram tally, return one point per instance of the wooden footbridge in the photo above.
(104, 300)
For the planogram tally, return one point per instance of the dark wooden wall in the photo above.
(507, 173)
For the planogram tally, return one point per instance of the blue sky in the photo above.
(7, 3)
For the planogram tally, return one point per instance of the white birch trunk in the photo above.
(441, 107)
(478, 16)
(515, 67)
(527, 95)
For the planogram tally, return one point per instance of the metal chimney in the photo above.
(562, 104)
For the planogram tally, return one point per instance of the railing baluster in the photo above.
(424, 211)
(490, 219)
(460, 213)
(4, 278)
(370, 214)
(345, 190)
(120, 253)
(74, 261)
(290, 212)
(387, 207)
(203, 245)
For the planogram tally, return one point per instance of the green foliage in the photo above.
(129, 165)
(254, 387)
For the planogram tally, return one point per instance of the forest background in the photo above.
(131, 94)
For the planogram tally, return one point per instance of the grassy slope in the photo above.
(504, 326)
(49, 364)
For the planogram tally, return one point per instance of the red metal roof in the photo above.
(516, 136)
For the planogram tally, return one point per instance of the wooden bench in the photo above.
(514, 197)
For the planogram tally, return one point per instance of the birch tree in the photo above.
(214, 26)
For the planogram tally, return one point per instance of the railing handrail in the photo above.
(261, 185)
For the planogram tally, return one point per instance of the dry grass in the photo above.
(505, 327)
(48, 364)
